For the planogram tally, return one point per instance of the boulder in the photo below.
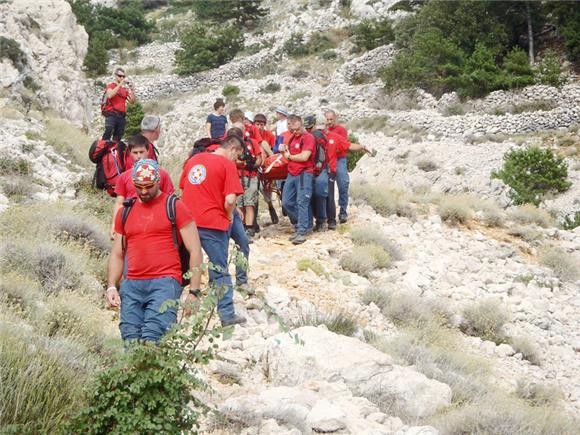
(368, 372)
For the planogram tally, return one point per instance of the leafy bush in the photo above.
(369, 34)
(340, 322)
(135, 115)
(202, 49)
(485, 319)
(531, 173)
(230, 91)
(295, 46)
(150, 389)
(550, 70)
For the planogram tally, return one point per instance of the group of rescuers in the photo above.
(219, 197)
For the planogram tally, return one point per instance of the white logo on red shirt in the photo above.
(197, 174)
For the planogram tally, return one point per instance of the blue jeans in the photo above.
(240, 238)
(342, 181)
(141, 300)
(215, 244)
(320, 196)
(296, 200)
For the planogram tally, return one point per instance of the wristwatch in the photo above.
(195, 292)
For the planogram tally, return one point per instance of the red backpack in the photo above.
(109, 157)
(275, 167)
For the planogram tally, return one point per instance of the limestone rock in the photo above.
(367, 371)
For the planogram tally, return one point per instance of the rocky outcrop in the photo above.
(366, 371)
(54, 47)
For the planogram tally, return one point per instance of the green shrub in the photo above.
(10, 49)
(531, 173)
(481, 74)
(571, 221)
(230, 91)
(550, 70)
(203, 49)
(341, 322)
(298, 46)
(370, 34)
(97, 57)
(295, 46)
(516, 66)
(485, 319)
(352, 159)
(135, 115)
(242, 12)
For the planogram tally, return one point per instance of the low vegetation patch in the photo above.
(454, 211)
(529, 214)
(564, 265)
(310, 264)
(485, 319)
(365, 259)
(339, 322)
(539, 394)
(15, 166)
(427, 165)
(524, 346)
(374, 236)
(385, 200)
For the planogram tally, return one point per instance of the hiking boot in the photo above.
(342, 219)
(332, 225)
(236, 320)
(293, 236)
(245, 289)
(320, 227)
(299, 239)
(273, 215)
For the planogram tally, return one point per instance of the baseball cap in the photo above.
(282, 110)
(249, 115)
(145, 171)
(309, 121)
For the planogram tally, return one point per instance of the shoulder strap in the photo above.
(170, 210)
(127, 206)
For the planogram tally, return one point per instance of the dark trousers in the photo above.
(330, 204)
(114, 126)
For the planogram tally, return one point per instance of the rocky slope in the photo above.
(269, 380)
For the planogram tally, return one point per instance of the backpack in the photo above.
(201, 145)
(177, 241)
(275, 167)
(105, 103)
(320, 155)
(109, 157)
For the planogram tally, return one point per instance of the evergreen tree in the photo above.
(241, 12)
(517, 70)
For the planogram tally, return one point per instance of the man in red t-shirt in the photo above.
(210, 184)
(297, 194)
(145, 238)
(138, 149)
(116, 105)
(342, 177)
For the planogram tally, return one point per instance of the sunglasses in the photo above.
(144, 186)
(121, 75)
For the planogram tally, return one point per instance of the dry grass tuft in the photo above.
(454, 210)
(385, 200)
(364, 259)
(485, 319)
(564, 265)
(375, 236)
(340, 322)
(309, 264)
(524, 346)
(530, 214)
(539, 394)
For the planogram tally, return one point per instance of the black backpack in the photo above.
(179, 245)
(320, 156)
(201, 145)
